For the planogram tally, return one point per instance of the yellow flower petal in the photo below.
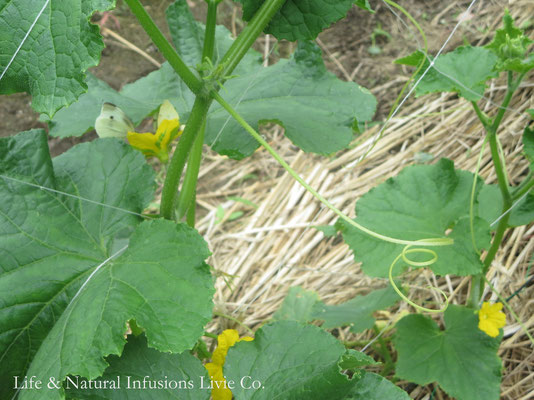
(167, 131)
(219, 391)
(225, 340)
(146, 142)
(491, 318)
(157, 145)
(167, 111)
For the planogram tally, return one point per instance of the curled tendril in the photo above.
(407, 250)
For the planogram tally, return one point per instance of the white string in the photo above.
(111, 257)
(24, 39)
(71, 195)
(511, 208)
(376, 337)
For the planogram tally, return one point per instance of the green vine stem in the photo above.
(202, 102)
(211, 23)
(161, 42)
(179, 158)
(523, 189)
(191, 214)
(248, 36)
(187, 196)
(382, 348)
(492, 127)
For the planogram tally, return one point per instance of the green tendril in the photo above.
(407, 250)
(407, 84)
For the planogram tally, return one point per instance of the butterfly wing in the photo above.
(113, 122)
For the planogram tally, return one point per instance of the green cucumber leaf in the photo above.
(301, 20)
(511, 45)
(51, 243)
(328, 230)
(464, 71)
(365, 5)
(287, 93)
(316, 109)
(461, 358)
(169, 376)
(290, 361)
(422, 202)
(490, 200)
(297, 305)
(353, 359)
(160, 281)
(375, 387)
(357, 312)
(62, 45)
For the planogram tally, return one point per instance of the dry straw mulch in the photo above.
(273, 247)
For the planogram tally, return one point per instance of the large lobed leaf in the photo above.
(305, 306)
(461, 358)
(55, 321)
(292, 361)
(357, 312)
(316, 109)
(142, 373)
(55, 55)
(302, 19)
(298, 305)
(422, 202)
(464, 71)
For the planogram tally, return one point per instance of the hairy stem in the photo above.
(492, 127)
(249, 35)
(211, 23)
(187, 196)
(177, 164)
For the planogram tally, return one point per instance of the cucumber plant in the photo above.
(100, 300)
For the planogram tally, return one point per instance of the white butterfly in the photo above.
(113, 122)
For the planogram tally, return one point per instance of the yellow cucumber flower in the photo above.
(157, 144)
(225, 340)
(491, 318)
